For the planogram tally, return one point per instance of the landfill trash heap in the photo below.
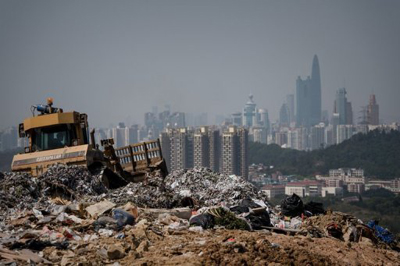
(67, 216)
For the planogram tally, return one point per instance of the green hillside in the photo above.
(376, 152)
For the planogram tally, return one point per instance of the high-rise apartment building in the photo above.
(373, 111)
(329, 136)
(344, 132)
(243, 152)
(235, 151)
(281, 138)
(183, 148)
(308, 97)
(259, 134)
(334, 122)
(177, 147)
(119, 135)
(206, 148)
(317, 136)
(297, 138)
(131, 134)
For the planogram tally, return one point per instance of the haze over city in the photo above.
(114, 60)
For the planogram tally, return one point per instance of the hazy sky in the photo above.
(114, 60)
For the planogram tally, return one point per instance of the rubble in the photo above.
(75, 181)
(18, 191)
(149, 194)
(192, 216)
(208, 188)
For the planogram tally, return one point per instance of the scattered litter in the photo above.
(292, 206)
(98, 209)
(67, 213)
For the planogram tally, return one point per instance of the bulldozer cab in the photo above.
(53, 129)
(55, 137)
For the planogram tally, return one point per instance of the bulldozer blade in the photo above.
(112, 180)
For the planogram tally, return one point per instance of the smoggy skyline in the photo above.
(114, 60)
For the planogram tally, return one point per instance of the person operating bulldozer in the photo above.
(58, 141)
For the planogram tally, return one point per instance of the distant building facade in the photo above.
(207, 148)
(235, 151)
(177, 147)
(373, 111)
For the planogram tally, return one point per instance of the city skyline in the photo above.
(199, 57)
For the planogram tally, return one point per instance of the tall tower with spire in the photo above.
(316, 108)
(308, 97)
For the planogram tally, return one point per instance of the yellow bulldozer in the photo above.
(63, 137)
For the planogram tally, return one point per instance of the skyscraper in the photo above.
(373, 111)
(263, 119)
(303, 101)
(290, 105)
(308, 97)
(316, 108)
(249, 113)
(349, 114)
(343, 108)
(284, 116)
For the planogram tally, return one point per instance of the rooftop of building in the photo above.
(267, 187)
(304, 183)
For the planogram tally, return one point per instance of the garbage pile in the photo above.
(18, 191)
(312, 220)
(198, 187)
(151, 193)
(73, 181)
(208, 188)
(68, 212)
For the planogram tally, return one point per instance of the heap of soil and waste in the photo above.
(195, 216)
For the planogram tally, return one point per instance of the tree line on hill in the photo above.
(377, 152)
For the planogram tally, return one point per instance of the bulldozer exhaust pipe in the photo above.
(92, 138)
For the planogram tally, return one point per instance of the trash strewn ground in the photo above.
(67, 217)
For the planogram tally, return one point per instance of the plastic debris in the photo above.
(123, 217)
(292, 206)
